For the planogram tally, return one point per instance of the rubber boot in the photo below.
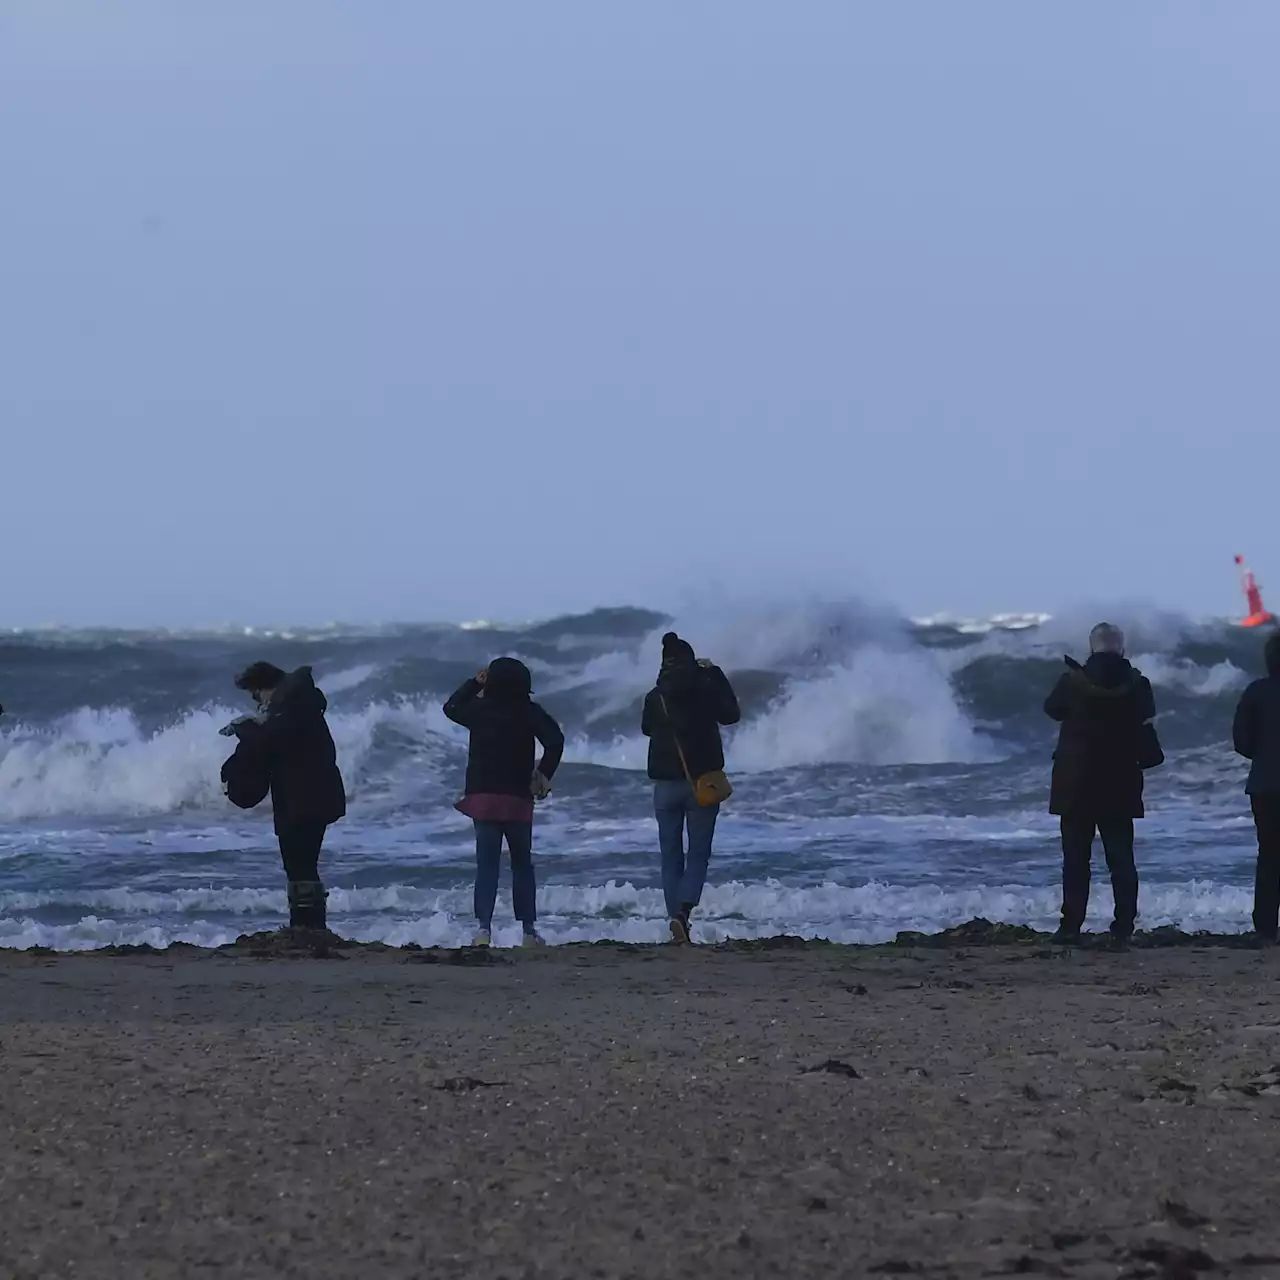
(307, 904)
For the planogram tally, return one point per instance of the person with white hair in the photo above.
(1105, 741)
(1256, 736)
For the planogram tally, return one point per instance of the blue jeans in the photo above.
(524, 888)
(683, 874)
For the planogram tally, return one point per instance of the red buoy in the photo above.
(1257, 614)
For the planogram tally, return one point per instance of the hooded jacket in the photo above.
(1256, 731)
(687, 705)
(1100, 707)
(505, 722)
(292, 746)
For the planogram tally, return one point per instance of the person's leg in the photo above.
(1077, 852)
(1266, 887)
(1117, 844)
(669, 800)
(488, 864)
(300, 852)
(524, 884)
(702, 830)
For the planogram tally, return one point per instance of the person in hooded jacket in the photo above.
(289, 749)
(1097, 778)
(682, 716)
(502, 784)
(1256, 735)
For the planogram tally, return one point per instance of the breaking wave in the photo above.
(112, 725)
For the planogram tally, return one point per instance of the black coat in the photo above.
(503, 730)
(1101, 707)
(294, 746)
(698, 700)
(1256, 731)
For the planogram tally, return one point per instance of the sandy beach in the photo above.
(604, 1111)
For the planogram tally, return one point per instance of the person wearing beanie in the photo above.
(682, 717)
(502, 784)
(1104, 708)
(1256, 736)
(288, 749)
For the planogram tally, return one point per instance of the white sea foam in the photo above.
(619, 911)
(878, 707)
(1188, 677)
(100, 763)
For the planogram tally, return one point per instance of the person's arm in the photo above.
(1244, 730)
(551, 736)
(724, 701)
(256, 742)
(461, 707)
(648, 717)
(1146, 701)
(1057, 704)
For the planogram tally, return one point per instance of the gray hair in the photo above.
(1105, 638)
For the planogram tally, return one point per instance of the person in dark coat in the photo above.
(1097, 778)
(683, 714)
(1256, 734)
(288, 749)
(502, 784)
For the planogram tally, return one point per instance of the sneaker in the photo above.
(532, 938)
(1066, 937)
(483, 938)
(679, 931)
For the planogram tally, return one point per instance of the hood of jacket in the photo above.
(509, 680)
(298, 692)
(1105, 675)
(1271, 654)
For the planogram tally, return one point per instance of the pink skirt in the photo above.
(493, 808)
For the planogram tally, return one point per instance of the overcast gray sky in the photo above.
(410, 310)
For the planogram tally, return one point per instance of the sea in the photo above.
(891, 774)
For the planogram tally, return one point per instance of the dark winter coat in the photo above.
(698, 699)
(504, 723)
(1256, 731)
(294, 747)
(1101, 707)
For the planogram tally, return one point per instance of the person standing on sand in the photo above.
(1104, 708)
(288, 749)
(1256, 734)
(502, 784)
(681, 718)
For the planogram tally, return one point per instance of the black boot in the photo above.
(307, 905)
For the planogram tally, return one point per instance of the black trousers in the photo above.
(1077, 857)
(1266, 884)
(300, 849)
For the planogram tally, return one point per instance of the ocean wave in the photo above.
(618, 911)
(114, 724)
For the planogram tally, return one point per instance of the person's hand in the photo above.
(482, 676)
(706, 663)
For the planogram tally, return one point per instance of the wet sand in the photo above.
(608, 1112)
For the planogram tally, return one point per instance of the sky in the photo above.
(400, 311)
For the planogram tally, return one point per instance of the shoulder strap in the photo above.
(684, 764)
